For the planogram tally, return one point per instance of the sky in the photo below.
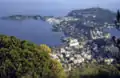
(68, 4)
(59, 6)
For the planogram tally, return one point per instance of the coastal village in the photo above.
(85, 40)
(77, 51)
(60, 39)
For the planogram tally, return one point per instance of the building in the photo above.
(109, 61)
(54, 21)
(73, 42)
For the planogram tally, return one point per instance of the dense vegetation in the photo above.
(96, 71)
(22, 59)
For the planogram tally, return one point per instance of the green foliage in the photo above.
(45, 48)
(22, 59)
(96, 71)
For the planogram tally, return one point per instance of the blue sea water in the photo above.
(39, 32)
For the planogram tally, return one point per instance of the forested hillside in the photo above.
(23, 59)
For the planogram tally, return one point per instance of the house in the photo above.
(109, 61)
(62, 50)
(53, 21)
(73, 42)
(81, 60)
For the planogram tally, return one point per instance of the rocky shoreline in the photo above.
(25, 17)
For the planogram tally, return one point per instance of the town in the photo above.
(85, 41)
(75, 53)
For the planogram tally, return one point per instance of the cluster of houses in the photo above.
(58, 20)
(97, 48)
(85, 29)
(73, 55)
(53, 21)
(97, 34)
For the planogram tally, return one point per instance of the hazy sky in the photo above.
(67, 4)
(52, 7)
(68, 1)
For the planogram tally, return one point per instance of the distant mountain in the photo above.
(98, 15)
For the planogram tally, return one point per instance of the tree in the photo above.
(45, 48)
(23, 59)
(118, 16)
(57, 69)
(117, 22)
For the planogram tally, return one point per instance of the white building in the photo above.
(54, 21)
(73, 43)
(62, 50)
(81, 60)
(109, 61)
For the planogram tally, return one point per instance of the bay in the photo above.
(38, 32)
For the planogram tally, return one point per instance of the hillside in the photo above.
(23, 59)
(98, 15)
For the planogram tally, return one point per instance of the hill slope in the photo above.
(22, 59)
(98, 15)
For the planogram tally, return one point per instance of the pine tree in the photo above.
(117, 22)
(118, 16)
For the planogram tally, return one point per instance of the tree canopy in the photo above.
(45, 48)
(23, 59)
